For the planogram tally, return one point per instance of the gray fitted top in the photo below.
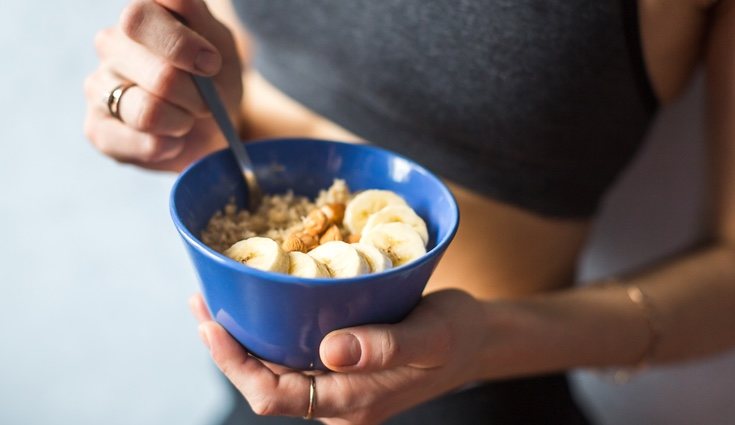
(536, 103)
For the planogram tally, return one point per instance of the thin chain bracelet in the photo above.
(644, 303)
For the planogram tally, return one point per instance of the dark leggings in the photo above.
(544, 400)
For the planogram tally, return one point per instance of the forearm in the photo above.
(599, 326)
(268, 113)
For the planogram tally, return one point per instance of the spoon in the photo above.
(211, 98)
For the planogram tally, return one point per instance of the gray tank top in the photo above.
(536, 103)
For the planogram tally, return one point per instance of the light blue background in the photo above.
(94, 323)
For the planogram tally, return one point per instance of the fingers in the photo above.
(150, 114)
(267, 393)
(141, 110)
(351, 397)
(153, 128)
(422, 340)
(201, 313)
(168, 124)
(202, 140)
(151, 25)
(115, 139)
(196, 15)
(133, 62)
(199, 308)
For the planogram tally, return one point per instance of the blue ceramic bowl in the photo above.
(282, 318)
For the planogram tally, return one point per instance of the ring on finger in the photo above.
(113, 99)
(312, 398)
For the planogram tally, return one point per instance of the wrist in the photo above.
(509, 341)
(589, 327)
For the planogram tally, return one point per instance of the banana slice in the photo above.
(260, 253)
(366, 203)
(377, 261)
(341, 259)
(398, 241)
(398, 214)
(303, 265)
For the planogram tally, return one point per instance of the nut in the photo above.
(293, 243)
(334, 212)
(310, 241)
(353, 238)
(332, 234)
(316, 222)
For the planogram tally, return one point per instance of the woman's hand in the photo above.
(164, 123)
(380, 370)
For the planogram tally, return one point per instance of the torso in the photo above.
(502, 250)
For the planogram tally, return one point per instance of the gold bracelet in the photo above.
(642, 300)
(645, 304)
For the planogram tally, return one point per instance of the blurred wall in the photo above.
(94, 323)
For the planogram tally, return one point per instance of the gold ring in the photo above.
(113, 99)
(312, 398)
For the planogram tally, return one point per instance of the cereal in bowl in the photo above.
(338, 235)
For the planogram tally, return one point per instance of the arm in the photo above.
(599, 326)
(693, 294)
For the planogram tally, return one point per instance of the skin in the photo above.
(499, 303)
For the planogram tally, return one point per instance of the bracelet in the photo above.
(639, 298)
(645, 304)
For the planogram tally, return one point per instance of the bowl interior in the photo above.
(306, 166)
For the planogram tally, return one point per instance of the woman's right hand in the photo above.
(164, 123)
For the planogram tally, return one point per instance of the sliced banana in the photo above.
(303, 265)
(398, 241)
(260, 253)
(341, 259)
(377, 261)
(366, 203)
(398, 214)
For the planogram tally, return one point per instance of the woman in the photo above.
(530, 109)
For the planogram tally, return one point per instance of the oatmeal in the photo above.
(277, 217)
(337, 235)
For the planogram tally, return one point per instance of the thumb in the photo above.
(420, 341)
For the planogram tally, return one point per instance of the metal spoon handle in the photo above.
(209, 93)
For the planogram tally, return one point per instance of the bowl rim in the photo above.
(229, 263)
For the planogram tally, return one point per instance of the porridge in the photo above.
(339, 234)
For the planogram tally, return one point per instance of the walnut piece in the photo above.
(293, 243)
(332, 234)
(335, 212)
(315, 223)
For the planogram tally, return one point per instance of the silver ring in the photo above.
(113, 99)
(312, 398)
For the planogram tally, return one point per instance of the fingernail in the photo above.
(207, 62)
(343, 350)
(205, 337)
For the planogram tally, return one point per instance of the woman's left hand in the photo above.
(379, 370)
